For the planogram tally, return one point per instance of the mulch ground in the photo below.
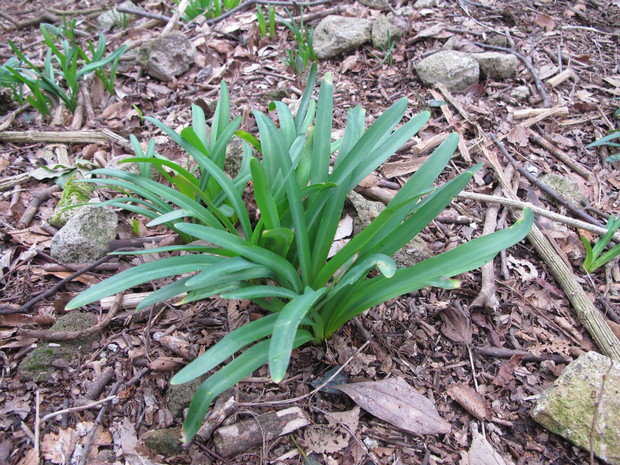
(434, 339)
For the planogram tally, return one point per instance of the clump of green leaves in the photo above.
(606, 140)
(594, 259)
(65, 65)
(266, 22)
(298, 58)
(280, 260)
(209, 8)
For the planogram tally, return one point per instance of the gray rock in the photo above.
(420, 4)
(167, 56)
(375, 4)
(566, 186)
(413, 252)
(86, 236)
(179, 396)
(114, 18)
(520, 92)
(455, 70)
(568, 407)
(38, 365)
(383, 31)
(497, 65)
(340, 34)
(165, 442)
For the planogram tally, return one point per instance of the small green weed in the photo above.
(65, 65)
(208, 8)
(594, 259)
(298, 58)
(606, 140)
(262, 20)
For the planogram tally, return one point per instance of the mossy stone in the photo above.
(37, 366)
(72, 194)
(165, 442)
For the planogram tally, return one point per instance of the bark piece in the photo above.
(234, 439)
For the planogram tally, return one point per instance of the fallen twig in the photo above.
(511, 202)
(38, 197)
(557, 153)
(51, 291)
(146, 14)
(549, 191)
(58, 137)
(587, 313)
(501, 352)
(93, 430)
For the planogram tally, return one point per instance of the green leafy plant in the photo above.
(199, 190)
(280, 260)
(65, 65)
(387, 55)
(298, 58)
(606, 140)
(208, 8)
(594, 259)
(262, 20)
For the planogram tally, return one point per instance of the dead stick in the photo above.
(557, 153)
(549, 191)
(96, 387)
(501, 352)
(60, 284)
(146, 14)
(537, 210)
(38, 197)
(587, 313)
(528, 64)
(93, 431)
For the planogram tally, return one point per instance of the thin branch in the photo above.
(60, 284)
(539, 211)
(77, 409)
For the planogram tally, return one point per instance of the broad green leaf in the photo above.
(323, 131)
(461, 259)
(229, 345)
(285, 331)
(260, 292)
(226, 377)
(140, 274)
(262, 193)
(235, 244)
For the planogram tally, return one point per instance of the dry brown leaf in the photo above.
(456, 324)
(470, 400)
(518, 136)
(545, 21)
(331, 438)
(504, 375)
(351, 63)
(436, 31)
(396, 402)
(481, 452)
